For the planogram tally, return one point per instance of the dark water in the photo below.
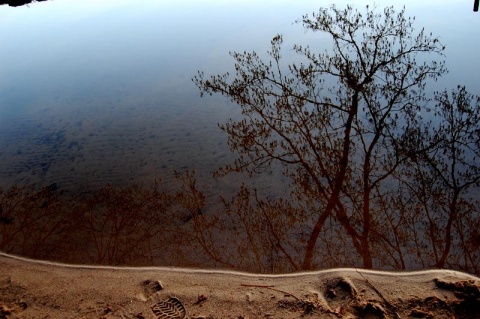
(90, 148)
(97, 92)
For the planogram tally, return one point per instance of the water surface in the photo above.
(98, 92)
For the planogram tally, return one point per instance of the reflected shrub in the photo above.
(139, 226)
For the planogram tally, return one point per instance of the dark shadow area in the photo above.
(18, 3)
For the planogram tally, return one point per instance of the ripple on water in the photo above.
(92, 147)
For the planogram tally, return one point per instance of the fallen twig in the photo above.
(392, 307)
(271, 287)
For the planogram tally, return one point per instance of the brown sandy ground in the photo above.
(36, 289)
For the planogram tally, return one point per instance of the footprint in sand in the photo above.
(171, 308)
(149, 304)
(151, 287)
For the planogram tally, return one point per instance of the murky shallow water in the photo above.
(95, 93)
(119, 142)
(108, 124)
(98, 92)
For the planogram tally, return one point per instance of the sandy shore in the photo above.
(37, 289)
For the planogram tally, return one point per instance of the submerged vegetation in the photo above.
(381, 174)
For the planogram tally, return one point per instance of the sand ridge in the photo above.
(40, 289)
(247, 274)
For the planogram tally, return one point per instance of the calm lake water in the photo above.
(95, 92)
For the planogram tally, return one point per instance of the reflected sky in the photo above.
(56, 52)
(159, 44)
